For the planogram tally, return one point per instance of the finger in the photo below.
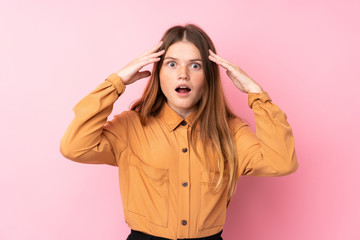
(153, 49)
(220, 62)
(144, 62)
(153, 55)
(215, 56)
(149, 61)
(211, 52)
(140, 75)
(217, 61)
(218, 57)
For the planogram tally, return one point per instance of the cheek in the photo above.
(164, 84)
(200, 82)
(166, 77)
(161, 78)
(165, 73)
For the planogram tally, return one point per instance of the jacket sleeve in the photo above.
(90, 138)
(271, 151)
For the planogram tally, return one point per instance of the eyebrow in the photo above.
(191, 60)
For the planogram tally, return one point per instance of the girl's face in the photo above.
(182, 77)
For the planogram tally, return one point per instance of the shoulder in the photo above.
(129, 114)
(123, 119)
(237, 123)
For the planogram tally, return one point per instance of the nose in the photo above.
(183, 73)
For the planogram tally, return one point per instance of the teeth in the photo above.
(183, 87)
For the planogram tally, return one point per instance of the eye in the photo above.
(196, 65)
(171, 64)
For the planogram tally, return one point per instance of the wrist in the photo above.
(257, 89)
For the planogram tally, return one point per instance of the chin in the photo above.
(185, 106)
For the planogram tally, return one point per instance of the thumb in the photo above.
(144, 74)
(140, 75)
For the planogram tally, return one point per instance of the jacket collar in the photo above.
(172, 119)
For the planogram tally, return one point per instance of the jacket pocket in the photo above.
(212, 205)
(149, 192)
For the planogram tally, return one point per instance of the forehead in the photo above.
(183, 50)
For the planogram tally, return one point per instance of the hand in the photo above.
(131, 72)
(240, 79)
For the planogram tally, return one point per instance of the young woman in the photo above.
(180, 149)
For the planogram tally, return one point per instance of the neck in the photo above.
(182, 112)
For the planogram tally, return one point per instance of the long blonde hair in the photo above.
(213, 110)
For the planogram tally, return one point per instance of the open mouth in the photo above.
(183, 89)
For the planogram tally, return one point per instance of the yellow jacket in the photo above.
(164, 187)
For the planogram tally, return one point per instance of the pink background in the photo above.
(305, 54)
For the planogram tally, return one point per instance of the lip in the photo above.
(183, 94)
(183, 85)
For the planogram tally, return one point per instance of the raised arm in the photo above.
(90, 138)
(271, 151)
(87, 138)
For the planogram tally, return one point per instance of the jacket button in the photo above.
(185, 184)
(183, 123)
(184, 150)
(183, 222)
